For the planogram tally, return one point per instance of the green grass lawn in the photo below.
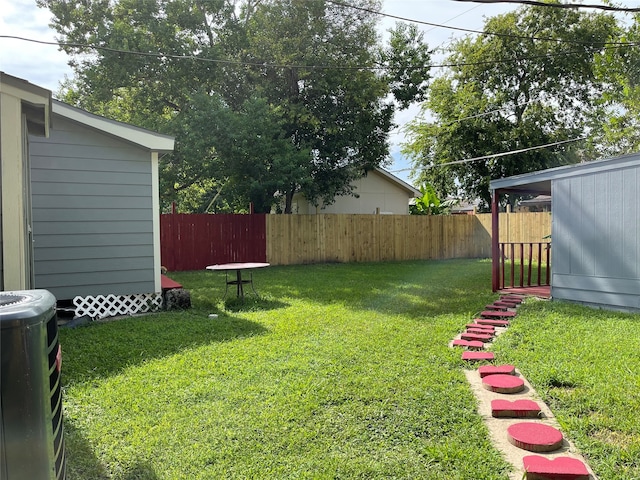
(337, 371)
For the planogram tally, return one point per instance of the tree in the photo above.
(616, 126)
(267, 98)
(430, 204)
(529, 83)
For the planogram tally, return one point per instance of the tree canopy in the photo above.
(266, 98)
(531, 81)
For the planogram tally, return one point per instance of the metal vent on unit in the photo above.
(11, 299)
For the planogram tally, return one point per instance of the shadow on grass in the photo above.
(83, 464)
(252, 304)
(81, 460)
(417, 289)
(103, 349)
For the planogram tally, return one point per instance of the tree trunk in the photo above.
(288, 202)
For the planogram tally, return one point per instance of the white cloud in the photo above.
(42, 65)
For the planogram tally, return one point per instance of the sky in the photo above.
(46, 66)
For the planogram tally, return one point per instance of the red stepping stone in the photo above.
(496, 370)
(493, 322)
(482, 337)
(489, 328)
(512, 299)
(535, 437)
(560, 468)
(501, 383)
(477, 356)
(504, 303)
(496, 307)
(489, 314)
(473, 344)
(480, 331)
(515, 409)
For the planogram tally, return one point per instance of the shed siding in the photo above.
(92, 213)
(596, 247)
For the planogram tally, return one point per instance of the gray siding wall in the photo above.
(92, 213)
(596, 247)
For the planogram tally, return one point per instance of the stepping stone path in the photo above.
(492, 322)
(501, 383)
(504, 416)
(477, 356)
(563, 468)
(472, 344)
(535, 437)
(483, 337)
(498, 314)
(515, 409)
(490, 328)
(496, 370)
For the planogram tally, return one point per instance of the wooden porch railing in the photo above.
(526, 274)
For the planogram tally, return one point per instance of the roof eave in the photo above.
(153, 141)
(540, 181)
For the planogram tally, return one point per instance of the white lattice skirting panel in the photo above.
(102, 306)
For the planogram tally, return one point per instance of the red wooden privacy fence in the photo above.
(193, 241)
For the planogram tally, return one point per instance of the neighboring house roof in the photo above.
(539, 200)
(464, 206)
(136, 135)
(540, 181)
(401, 183)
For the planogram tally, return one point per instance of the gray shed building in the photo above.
(95, 202)
(595, 229)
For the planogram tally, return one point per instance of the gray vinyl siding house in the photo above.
(95, 204)
(595, 229)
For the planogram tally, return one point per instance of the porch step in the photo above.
(490, 321)
(478, 356)
(534, 437)
(496, 370)
(490, 314)
(472, 344)
(482, 337)
(559, 468)
(167, 284)
(501, 383)
(514, 409)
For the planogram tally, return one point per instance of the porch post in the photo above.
(495, 241)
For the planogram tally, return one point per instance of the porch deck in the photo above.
(541, 291)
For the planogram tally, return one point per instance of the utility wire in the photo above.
(468, 30)
(487, 157)
(290, 66)
(535, 3)
(484, 114)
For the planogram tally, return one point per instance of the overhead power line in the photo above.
(535, 3)
(289, 66)
(495, 155)
(469, 30)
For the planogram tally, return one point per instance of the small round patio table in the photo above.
(239, 282)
